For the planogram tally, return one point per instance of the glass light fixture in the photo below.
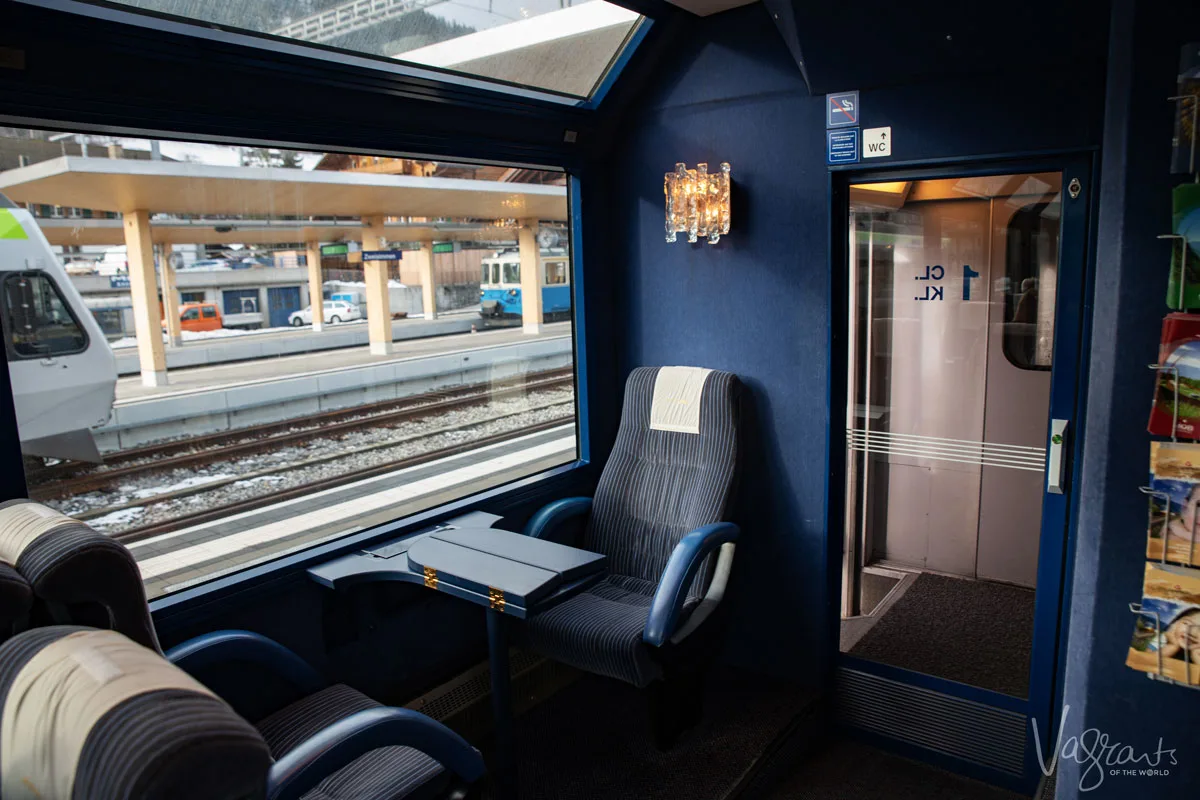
(697, 202)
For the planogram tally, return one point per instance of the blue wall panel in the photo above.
(758, 303)
(1105, 697)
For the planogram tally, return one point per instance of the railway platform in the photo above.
(277, 343)
(225, 397)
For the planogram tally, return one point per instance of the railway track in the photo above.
(67, 479)
(217, 512)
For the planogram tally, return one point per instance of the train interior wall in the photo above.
(760, 303)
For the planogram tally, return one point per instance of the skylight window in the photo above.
(553, 45)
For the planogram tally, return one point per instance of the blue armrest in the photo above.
(324, 753)
(222, 646)
(554, 514)
(672, 590)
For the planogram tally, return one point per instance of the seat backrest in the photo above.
(87, 714)
(82, 575)
(16, 598)
(673, 468)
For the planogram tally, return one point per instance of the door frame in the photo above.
(1055, 552)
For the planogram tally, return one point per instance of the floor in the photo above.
(591, 741)
(974, 632)
(850, 770)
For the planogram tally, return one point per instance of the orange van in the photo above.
(198, 317)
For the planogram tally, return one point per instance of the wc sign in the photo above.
(877, 142)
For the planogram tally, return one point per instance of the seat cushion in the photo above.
(600, 630)
(387, 773)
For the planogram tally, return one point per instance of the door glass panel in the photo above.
(951, 325)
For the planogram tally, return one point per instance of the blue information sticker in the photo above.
(842, 146)
(841, 110)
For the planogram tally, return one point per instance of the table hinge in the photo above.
(495, 599)
(431, 578)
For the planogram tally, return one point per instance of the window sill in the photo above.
(292, 566)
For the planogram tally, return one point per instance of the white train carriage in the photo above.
(63, 372)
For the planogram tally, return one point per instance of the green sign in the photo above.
(443, 247)
(335, 249)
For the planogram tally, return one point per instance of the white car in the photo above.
(335, 311)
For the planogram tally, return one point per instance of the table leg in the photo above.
(505, 768)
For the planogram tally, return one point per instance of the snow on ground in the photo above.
(117, 519)
(186, 483)
(353, 450)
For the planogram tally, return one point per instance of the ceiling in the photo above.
(704, 8)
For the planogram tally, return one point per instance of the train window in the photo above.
(39, 322)
(282, 421)
(1028, 285)
(550, 46)
(556, 273)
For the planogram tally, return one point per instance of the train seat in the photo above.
(660, 514)
(90, 713)
(329, 742)
(16, 599)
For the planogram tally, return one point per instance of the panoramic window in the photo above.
(294, 401)
(555, 45)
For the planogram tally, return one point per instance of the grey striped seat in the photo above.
(388, 773)
(16, 598)
(91, 715)
(666, 477)
(86, 577)
(77, 574)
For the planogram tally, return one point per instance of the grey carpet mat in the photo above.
(850, 770)
(974, 632)
(592, 741)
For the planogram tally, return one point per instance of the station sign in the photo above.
(841, 146)
(382, 255)
(118, 281)
(335, 249)
(443, 247)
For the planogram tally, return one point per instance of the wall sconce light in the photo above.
(697, 202)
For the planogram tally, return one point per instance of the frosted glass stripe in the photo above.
(960, 451)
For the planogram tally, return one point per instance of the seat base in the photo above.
(388, 773)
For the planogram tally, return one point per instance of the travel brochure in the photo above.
(1178, 379)
(1166, 639)
(1175, 505)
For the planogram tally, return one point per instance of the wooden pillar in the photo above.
(316, 287)
(424, 265)
(170, 297)
(143, 287)
(532, 279)
(375, 275)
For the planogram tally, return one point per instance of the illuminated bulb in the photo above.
(697, 203)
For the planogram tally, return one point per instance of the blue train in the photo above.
(500, 288)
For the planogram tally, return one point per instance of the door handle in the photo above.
(1056, 466)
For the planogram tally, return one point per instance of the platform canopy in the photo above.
(67, 231)
(173, 187)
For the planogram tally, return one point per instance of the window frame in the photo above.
(468, 127)
(10, 348)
